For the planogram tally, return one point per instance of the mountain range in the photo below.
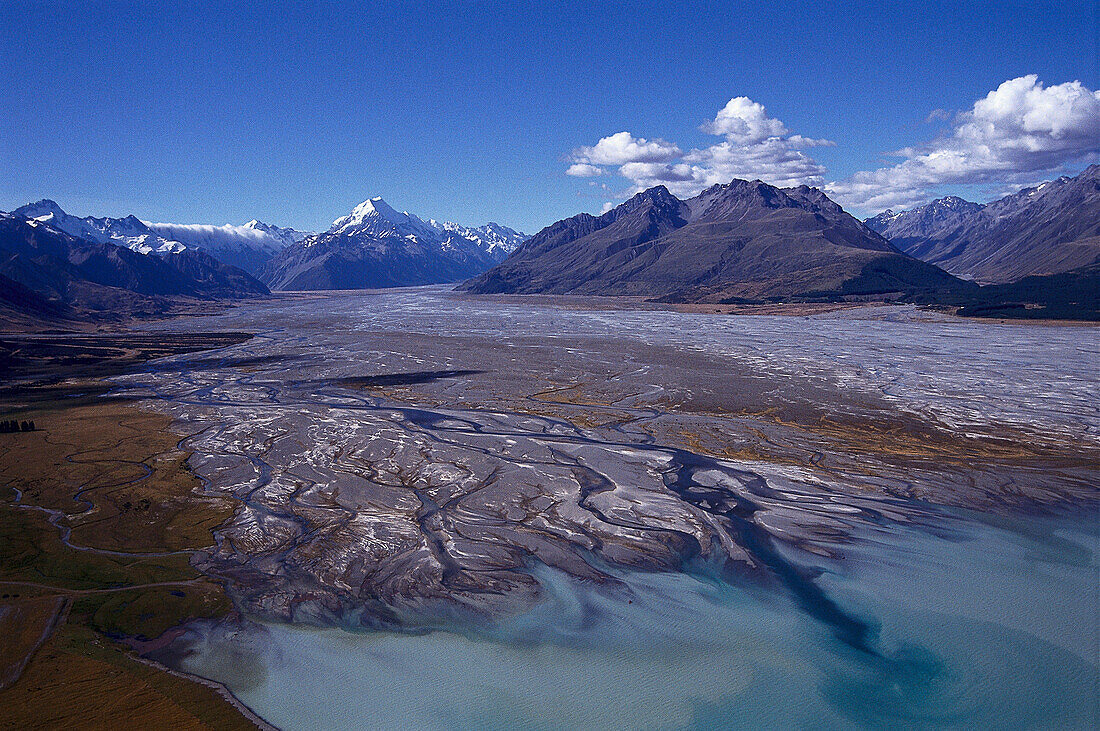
(378, 246)
(1048, 229)
(740, 242)
(49, 274)
(247, 247)
(736, 242)
(373, 246)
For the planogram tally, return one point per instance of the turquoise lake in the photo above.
(988, 626)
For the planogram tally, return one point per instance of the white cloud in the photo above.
(744, 121)
(756, 146)
(1016, 133)
(622, 148)
(658, 172)
(775, 160)
(583, 170)
(201, 234)
(607, 206)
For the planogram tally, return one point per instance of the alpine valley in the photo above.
(1033, 254)
(712, 446)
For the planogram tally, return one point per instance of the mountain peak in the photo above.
(1091, 172)
(377, 210)
(40, 209)
(375, 205)
(283, 235)
(743, 239)
(657, 191)
(657, 195)
(739, 198)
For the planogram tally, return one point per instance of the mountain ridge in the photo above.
(1050, 228)
(737, 241)
(50, 273)
(246, 247)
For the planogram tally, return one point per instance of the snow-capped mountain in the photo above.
(129, 232)
(46, 273)
(248, 247)
(376, 218)
(431, 251)
(378, 246)
(285, 236)
(254, 233)
(497, 240)
(1051, 228)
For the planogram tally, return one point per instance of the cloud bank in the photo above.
(1017, 133)
(201, 234)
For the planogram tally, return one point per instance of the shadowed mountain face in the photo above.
(1072, 295)
(48, 272)
(1049, 229)
(376, 246)
(739, 241)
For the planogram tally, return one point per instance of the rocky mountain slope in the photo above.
(377, 246)
(741, 241)
(1049, 229)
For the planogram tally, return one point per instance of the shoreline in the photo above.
(217, 687)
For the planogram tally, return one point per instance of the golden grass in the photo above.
(25, 622)
(114, 475)
(81, 680)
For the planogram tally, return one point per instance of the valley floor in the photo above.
(513, 473)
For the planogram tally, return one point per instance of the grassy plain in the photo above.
(99, 517)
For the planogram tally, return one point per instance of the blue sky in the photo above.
(219, 113)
